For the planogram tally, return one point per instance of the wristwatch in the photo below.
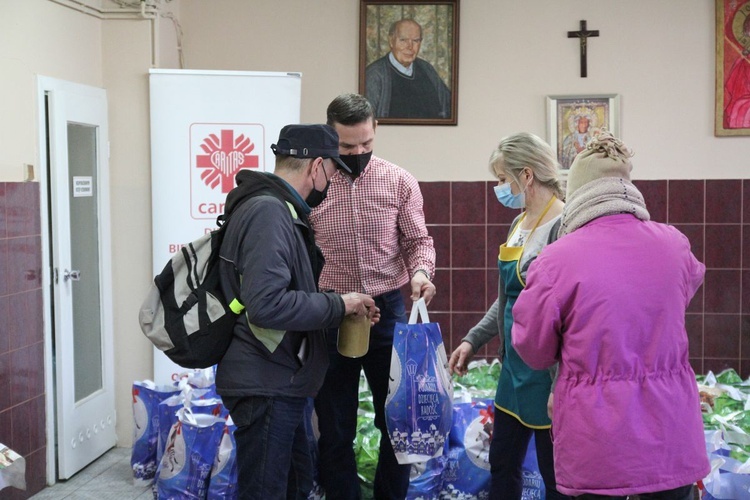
(423, 272)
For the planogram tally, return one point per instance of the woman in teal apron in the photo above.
(526, 169)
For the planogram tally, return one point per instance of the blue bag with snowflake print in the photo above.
(419, 405)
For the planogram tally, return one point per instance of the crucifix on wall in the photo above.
(583, 35)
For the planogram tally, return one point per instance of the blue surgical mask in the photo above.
(507, 198)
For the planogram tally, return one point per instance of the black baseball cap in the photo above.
(309, 141)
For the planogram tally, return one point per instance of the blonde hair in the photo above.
(524, 150)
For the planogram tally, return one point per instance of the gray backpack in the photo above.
(185, 313)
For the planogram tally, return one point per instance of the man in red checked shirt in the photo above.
(372, 232)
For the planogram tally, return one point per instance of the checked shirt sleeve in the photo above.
(414, 240)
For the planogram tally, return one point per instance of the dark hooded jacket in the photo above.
(269, 255)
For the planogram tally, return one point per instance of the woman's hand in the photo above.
(460, 359)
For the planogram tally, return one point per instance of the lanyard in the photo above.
(518, 262)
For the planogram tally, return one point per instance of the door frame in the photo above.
(54, 87)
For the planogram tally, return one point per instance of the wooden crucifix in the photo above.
(583, 35)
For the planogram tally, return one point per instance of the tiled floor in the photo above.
(109, 477)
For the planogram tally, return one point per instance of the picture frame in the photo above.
(424, 91)
(732, 68)
(585, 115)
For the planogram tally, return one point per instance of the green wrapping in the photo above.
(725, 406)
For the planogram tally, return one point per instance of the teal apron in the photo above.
(521, 392)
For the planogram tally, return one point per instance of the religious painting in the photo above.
(732, 67)
(572, 121)
(408, 60)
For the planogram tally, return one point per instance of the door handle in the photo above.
(72, 275)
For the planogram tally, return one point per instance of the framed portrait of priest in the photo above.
(732, 67)
(573, 120)
(408, 60)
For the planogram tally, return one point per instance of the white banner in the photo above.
(205, 127)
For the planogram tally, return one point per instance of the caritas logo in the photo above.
(217, 153)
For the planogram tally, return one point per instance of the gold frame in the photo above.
(439, 21)
(732, 47)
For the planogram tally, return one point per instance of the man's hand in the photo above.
(421, 286)
(458, 364)
(360, 304)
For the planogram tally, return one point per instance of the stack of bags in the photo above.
(184, 444)
(184, 439)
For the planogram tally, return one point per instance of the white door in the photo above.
(79, 268)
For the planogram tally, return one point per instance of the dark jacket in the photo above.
(379, 80)
(278, 346)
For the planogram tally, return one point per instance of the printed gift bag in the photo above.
(419, 404)
(146, 399)
(467, 466)
(189, 456)
(203, 401)
(533, 483)
(464, 470)
(426, 479)
(223, 481)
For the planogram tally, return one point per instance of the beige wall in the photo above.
(127, 45)
(658, 56)
(68, 48)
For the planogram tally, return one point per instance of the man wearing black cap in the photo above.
(277, 358)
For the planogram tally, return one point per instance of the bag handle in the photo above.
(185, 414)
(419, 307)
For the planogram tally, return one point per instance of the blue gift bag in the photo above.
(146, 399)
(419, 404)
(533, 484)
(464, 470)
(223, 481)
(467, 467)
(204, 401)
(189, 456)
(426, 479)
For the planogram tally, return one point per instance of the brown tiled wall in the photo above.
(22, 403)
(467, 224)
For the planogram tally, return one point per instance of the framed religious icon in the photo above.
(573, 120)
(408, 60)
(732, 67)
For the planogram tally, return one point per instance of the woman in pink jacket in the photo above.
(608, 301)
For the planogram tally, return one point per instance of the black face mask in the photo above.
(356, 163)
(316, 197)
